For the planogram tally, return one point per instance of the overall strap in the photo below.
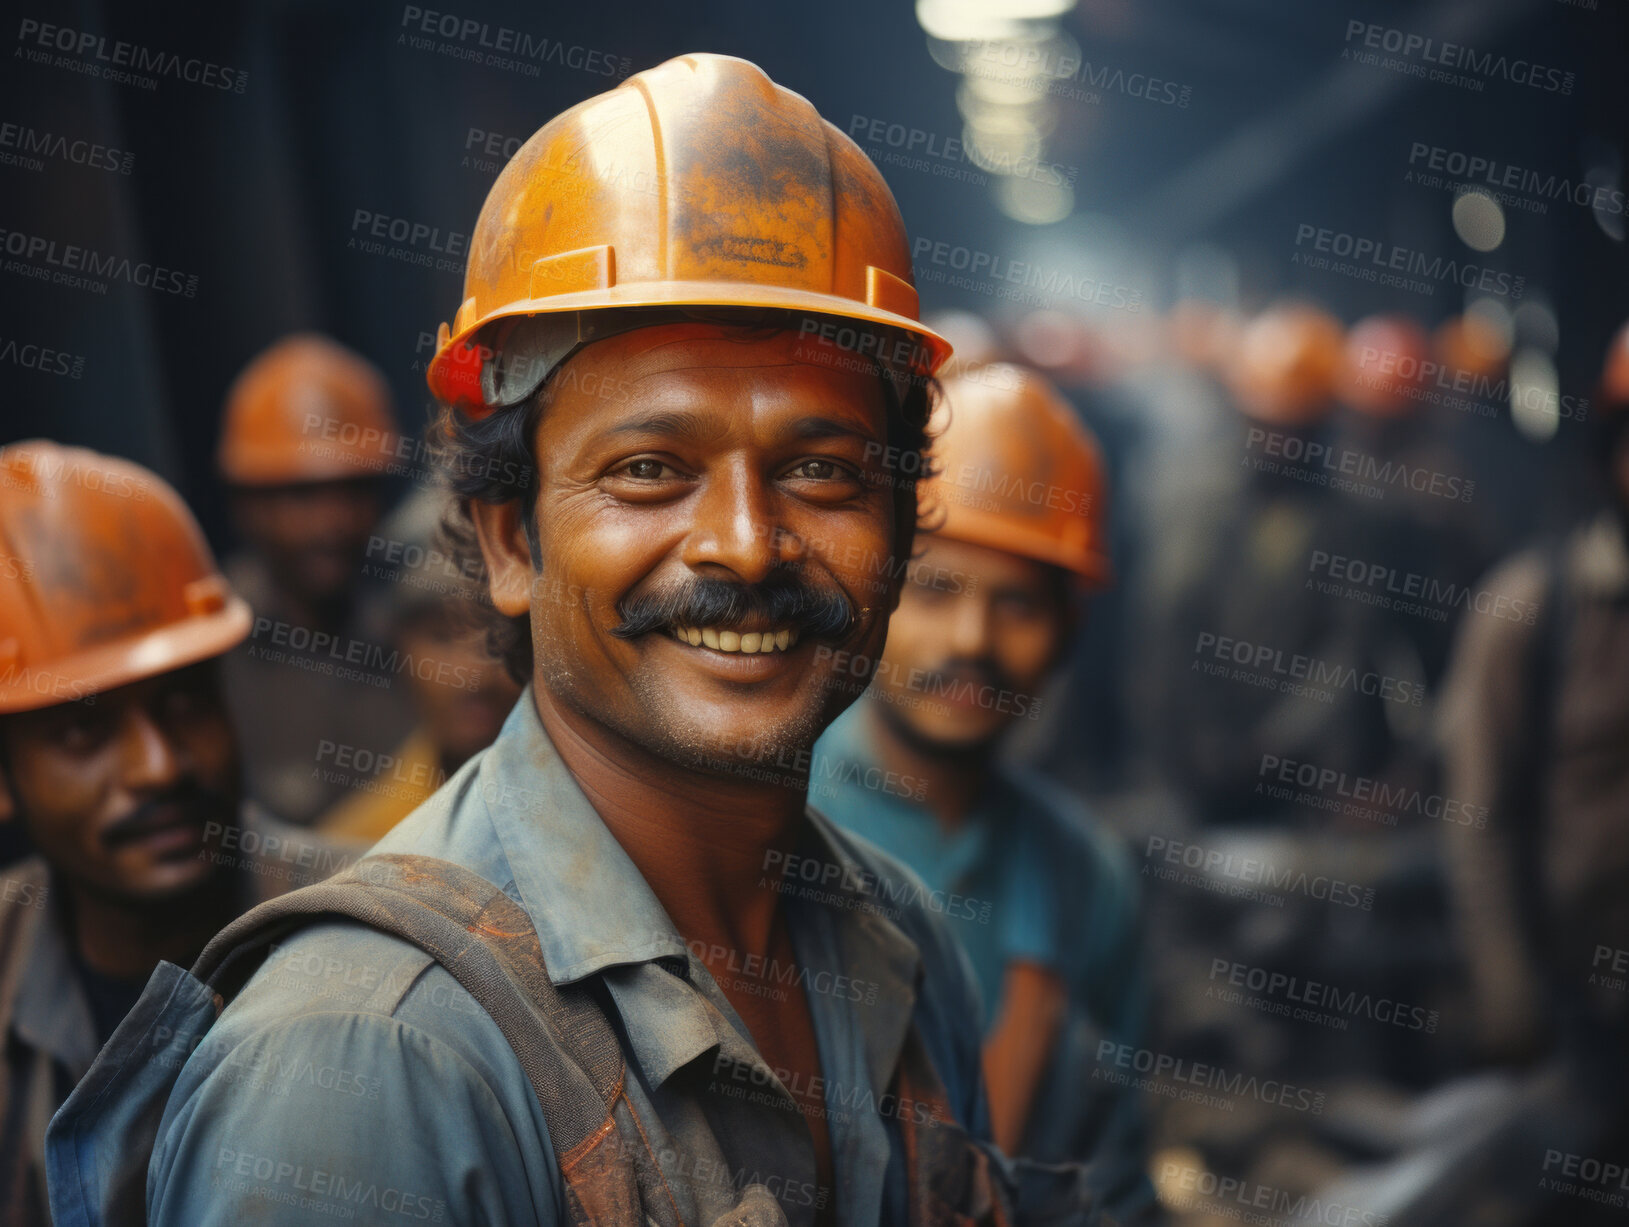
(486, 941)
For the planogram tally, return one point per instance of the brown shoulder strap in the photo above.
(486, 941)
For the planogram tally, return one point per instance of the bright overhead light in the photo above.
(1478, 220)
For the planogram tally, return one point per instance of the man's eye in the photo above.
(646, 470)
(819, 470)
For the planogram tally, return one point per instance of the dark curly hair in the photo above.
(490, 459)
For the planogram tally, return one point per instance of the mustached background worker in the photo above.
(119, 763)
(1043, 897)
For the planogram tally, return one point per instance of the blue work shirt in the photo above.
(352, 1077)
(1028, 876)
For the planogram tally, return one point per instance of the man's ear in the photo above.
(502, 534)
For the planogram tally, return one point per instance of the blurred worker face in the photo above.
(118, 793)
(709, 535)
(312, 535)
(976, 634)
(461, 702)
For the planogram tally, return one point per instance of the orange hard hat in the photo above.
(107, 578)
(1614, 392)
(1384, 361)
(1283, 369)
(697, 183)
(1201, 333)
(306, 410)
(1015, 470)
(1470, 344)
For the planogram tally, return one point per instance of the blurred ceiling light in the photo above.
(1606, 175)
(1496, 316)
(1536, 325)
(1535, 395)
(967, 20)
(1478, 220)
(1033, 201)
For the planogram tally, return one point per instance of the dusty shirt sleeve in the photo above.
(352, 1117)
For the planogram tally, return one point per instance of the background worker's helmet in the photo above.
(106, 578)
(306, 410)
(1614, 388)
(698, 183)
(1016, 470)
(1283, 369)
(1383, 365)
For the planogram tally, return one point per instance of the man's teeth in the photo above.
(735, 641)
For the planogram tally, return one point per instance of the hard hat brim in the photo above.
(724, 294)
(130, 660)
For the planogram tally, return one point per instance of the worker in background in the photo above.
(460, 705)
(685, 400)
(119, 763)
(992, 600)
(1235, 581)
(1533, 723)
(306, 440)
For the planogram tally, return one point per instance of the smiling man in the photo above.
(685, 395)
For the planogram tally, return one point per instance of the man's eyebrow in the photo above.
(668, 422)
(826, 428)
(693, 427)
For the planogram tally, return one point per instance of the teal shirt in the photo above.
(1030, 875)
(353, 1078)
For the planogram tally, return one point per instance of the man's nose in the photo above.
(152, 762)
(738, 527)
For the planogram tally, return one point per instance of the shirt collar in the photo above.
(595, 913)
(49, 1011)
(590, 905)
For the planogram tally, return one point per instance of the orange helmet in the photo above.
(1283, 370)
(1614, 391)
(1017, 471)
(106, 578)
(306, 410)
(1384, 361)
(1469, 343)
(697, 183)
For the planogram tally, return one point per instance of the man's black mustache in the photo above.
(187, 803)
(969, 670)
(782, 600)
